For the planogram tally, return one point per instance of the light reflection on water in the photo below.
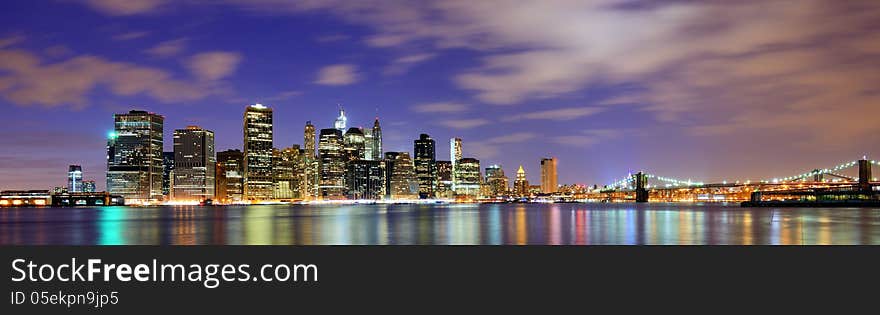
(494, 224)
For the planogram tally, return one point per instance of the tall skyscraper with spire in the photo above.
(341, 121)
(376, 131)
(521, 184)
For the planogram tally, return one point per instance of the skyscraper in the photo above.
(365, 179)
(377, 140)
(353, 144)
(368, 144)
(230, 176)
(89, 186)
(468, 177)
(400, 176)
(74, 178)
(134, 157)
(310, 163)
(194, 164)
(444, 179)
(521, 184)
(454, 156)
(424, 159)
(548, 175)
(285, 168)
(341, 121)
(332, 166)
(167, 174)
(496, 181)
(258, 153)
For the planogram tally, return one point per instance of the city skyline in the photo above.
(772, 115)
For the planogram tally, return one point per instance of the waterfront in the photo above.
(623, 223)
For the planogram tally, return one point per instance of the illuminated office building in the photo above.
(443, 170)
(341, 121)
(365, 179)
(134, 157)
(376, 151)
(286, 169)
(454, 156)
(548, 175)
(74, 178)
(89, 186)
(194, 164)
(332, 164)
(167, 173)
(400, 176)
(354, 144)
(468, 177)
(258, 178)
(424, 158)
(229, 176)
(310, 164)
(521, 184)
(496, 182)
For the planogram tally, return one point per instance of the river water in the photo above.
(440, 224)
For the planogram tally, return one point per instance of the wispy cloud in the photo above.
(491, 147)
(560, 114)
(215, 65)
(439, 107)
(338, 74)
(332, 38)
(463, 123)
(403, 64)
(130, 35)
(26, 80)
(586, 138)
(168, 48)
(124, 7)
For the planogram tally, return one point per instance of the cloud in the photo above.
(586, 138)
(168, 48)
(440, 107)
(463, 123)
(130, 35)
(124, 7)
(339, 74)
(331, 38)
(490, 147)
(57, 51)
(27, 80)
(403, 64)
(12, 40)
(560, 114)
(212, 66)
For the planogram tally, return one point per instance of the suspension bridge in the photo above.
(821, 186)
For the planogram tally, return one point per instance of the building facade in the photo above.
(332, 164)
(310, 163)
(444, 180)
(286, 169)
(468, 178)
(548, 175)
(229, 186)
(521, 184)
(401, 182)
(134, 157)
(424, 158)
(194, 164)
(167, 174)
(74, 178)
(454, 156)
(258, 178)
(376, 132)
(496, 182)
(365, 179)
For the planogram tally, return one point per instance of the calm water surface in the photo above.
(441, 224)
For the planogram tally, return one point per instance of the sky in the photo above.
(702, 90)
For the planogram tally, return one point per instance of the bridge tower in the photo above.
(818, 176)
(641, 181)
(864, 175)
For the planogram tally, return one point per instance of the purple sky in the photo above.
(703, 90)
